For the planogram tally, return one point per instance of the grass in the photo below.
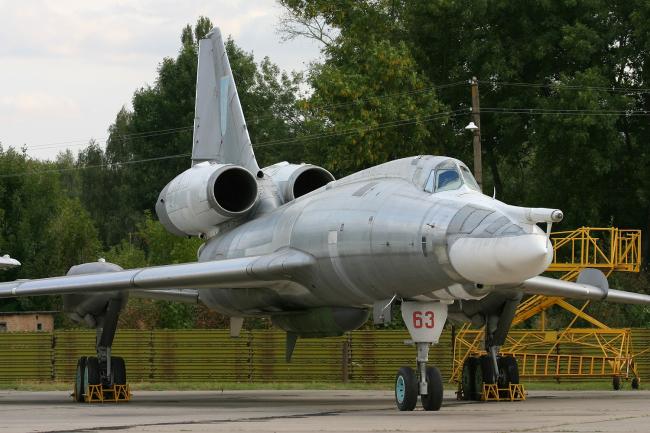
(602, 385)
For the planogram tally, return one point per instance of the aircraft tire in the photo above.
(79, 384)
(616, 383)
(477, 386)
(467, 379)
(91, 373)
(119, 370)
(433, 399)
(406, 389)
(482, 376)
(509, 370)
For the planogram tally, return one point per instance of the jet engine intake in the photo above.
(296, 180)
(204, 196)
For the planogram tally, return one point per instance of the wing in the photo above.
(167, 281)
(591, 284)
(188, 296)
(220, 132)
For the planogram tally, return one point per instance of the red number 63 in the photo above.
(423, 319)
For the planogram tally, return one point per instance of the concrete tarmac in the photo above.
(323, 411)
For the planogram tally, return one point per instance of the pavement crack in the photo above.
(208, 421)
(554, 426)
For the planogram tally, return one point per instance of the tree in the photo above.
(369, 103)
(41, 225)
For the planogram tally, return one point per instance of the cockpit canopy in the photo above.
(450, 175)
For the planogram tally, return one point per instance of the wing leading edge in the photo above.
(244, 272)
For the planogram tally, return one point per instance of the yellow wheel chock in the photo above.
(111, 394)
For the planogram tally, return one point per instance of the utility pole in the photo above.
(476, 118)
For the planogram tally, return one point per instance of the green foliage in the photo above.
(348, 99)
(40, 224)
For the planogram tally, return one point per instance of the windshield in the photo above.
(450, 178)
(469, 179)
(447, 179)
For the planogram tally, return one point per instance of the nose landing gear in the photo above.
(424, 321)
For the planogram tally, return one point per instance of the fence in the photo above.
(211, 355)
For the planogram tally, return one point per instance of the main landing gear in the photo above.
(424, 321)
(103, 377)
(480, 371)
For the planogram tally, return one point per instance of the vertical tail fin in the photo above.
(220, 132)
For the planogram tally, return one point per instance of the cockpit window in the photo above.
(447, 179)
(469, 179)
(443, 179)
(430, 181)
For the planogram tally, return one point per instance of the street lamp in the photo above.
(471, 126)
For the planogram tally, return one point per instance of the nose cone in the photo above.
(501, 259)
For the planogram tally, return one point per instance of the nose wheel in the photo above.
(424, 321)
(408, 386)
(432, 400)
(406, 389)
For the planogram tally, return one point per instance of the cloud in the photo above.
(68, 66)
(38, 103)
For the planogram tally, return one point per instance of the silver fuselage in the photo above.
(374, 235)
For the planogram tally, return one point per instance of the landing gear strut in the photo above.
(500, 372)
(104, 370)
(424, 321)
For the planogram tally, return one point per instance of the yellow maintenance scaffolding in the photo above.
(569, 353)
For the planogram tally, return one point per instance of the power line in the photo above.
(115, 164)
(568, 86)
(167, 131)
(391, 124)
(566, 112)
(158, 132)
(134, 135)
(352, 130)
(296, 140)
(531, 111)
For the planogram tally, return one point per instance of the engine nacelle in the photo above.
(295, 180)
(321, 322)
(89, 309)
(204, 196)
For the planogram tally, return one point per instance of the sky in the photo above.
(68, 66)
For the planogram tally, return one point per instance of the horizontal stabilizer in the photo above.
(244, 272)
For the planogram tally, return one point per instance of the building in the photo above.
(27, 321)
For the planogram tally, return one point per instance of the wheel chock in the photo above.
(110, 394)
(514, 392)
